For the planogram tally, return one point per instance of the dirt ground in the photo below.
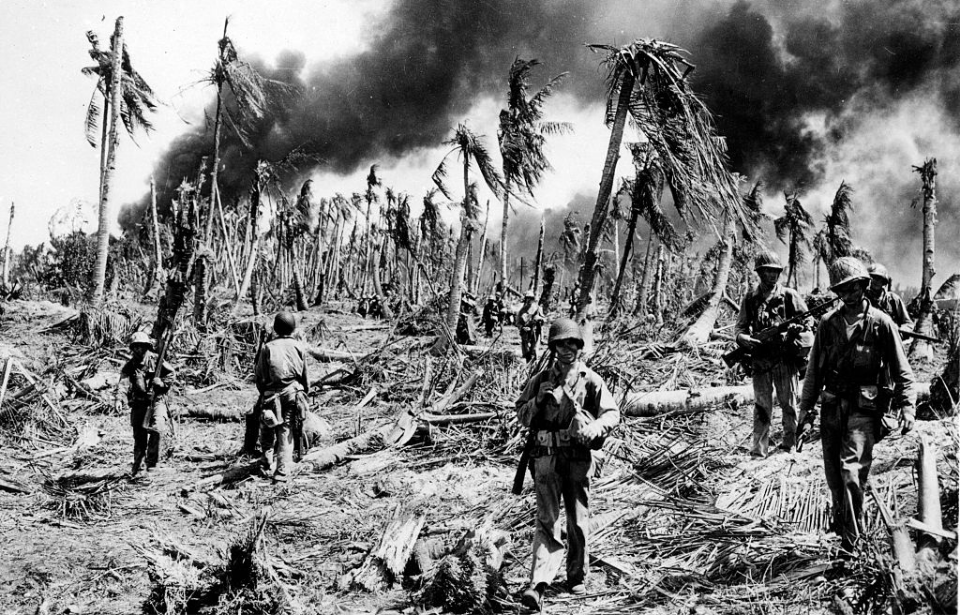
(323, 524)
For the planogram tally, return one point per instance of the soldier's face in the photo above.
(768, 277)
(877, 286)
(139, 351)
(567, 350)
(851, 293)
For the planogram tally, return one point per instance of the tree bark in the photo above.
(546, 297)
(254, 249)
(503, 232)
(643, 292)
(699, 332)
(658, 284)
(535, 286)
(588, 272)
(103, 230)
(483, 249)
(922, 349)
(6, 251)
(157, 250)
(627, 248)
(217, 130)
(460, 258)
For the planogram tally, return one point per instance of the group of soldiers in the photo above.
(855, 370)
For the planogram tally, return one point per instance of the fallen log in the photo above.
(473, 352)
(928, 498)
(324, 354)
(662, 403)
(455, 419)
(13, 486)
(318, 461)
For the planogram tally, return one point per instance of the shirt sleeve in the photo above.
(900, 315)
(608, 414)
(304, 372)
(813, 379)
(261, 372)
(743, 318)
(526, 404)
(901, 374)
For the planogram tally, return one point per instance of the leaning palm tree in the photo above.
(647, 79)
(793, 229)
(126, 98)
(471, 150)
(836, 225)
(521, 136)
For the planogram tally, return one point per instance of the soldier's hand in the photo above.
(158, 383)
(747, 340)
(590, 432)
(906, 424)
(794, 331)
(545, 392)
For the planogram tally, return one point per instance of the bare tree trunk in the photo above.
(217, 130)
(471, 269)
(699, 332)
(483, 249)
(103, 230)
(549, 278)
(643, 293)
(922, 349)
(627, 248)
(589, 270)
(658, 284)
(254, 249)
(503, 233)
(535, 286)
(456, 278)
(6, 251)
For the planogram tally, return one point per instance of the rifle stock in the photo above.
(149, 422)
(919, 336)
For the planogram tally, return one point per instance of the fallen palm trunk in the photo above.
(928, 500)
(318, 461)
(661, 403)
(324, 354)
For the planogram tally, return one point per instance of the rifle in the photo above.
(919, 336)
(531, 439)
(770, 337)
(149, 419)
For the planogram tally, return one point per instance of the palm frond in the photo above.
(439, 176)
(91, 123)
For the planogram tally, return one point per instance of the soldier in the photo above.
(491, 315)
(857, 369)
(141, 370)
(281, 376)
(571, 411)
(772, 367)
(529, 319)
(886, 300)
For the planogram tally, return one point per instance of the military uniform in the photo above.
(529, 319)
(281, 376)
(849, 367)
(146, 442)
(892, 305)
(778, 371)
(563, 466)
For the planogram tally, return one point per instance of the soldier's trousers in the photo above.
(848, 439)
(564, 475)
(529, 338)
(146, 444)
(783, 377)
(277, 442)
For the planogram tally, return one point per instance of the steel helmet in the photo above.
(847, 269)
(767, 260)
(564, 329)
(285, 323)
(876, 270)
(140, 338)
(528, 295)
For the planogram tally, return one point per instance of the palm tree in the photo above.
(127, 98)
(793, 229)
(521, 136)
(928, 192)
(647, 79)
(470, 149)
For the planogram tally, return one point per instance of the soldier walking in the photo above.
(571, 411)
(281, 376)
(146, 388)
(857, 369)
(529, 319)
(773, 365)
(885, 300)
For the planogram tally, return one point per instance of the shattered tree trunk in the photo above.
(539, 262)
(113, 142)
(598, 221)
(460, 257)
(699, 332)
(627, 248)
(254, 249)
(6, 252)
(643, 292)
(157, 275)
(660, 403)
(483, 250)
(503, 233)
(921, 349)
(546, 297)
(658, 284)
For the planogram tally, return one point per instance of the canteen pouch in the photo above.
(868, 398)
(272, 412)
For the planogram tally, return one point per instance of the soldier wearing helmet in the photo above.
(146, 387)
(885, 300)
(283, 382)
(858, 369)
(776, 366)
(491, 314)
(529, 319)
(570, 411)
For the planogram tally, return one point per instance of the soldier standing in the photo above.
(529, 319)
(146, 387)
(570, 410)
(281, 376)
(774, 366)
(491, 315)
(857, 369)
(885, 300)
